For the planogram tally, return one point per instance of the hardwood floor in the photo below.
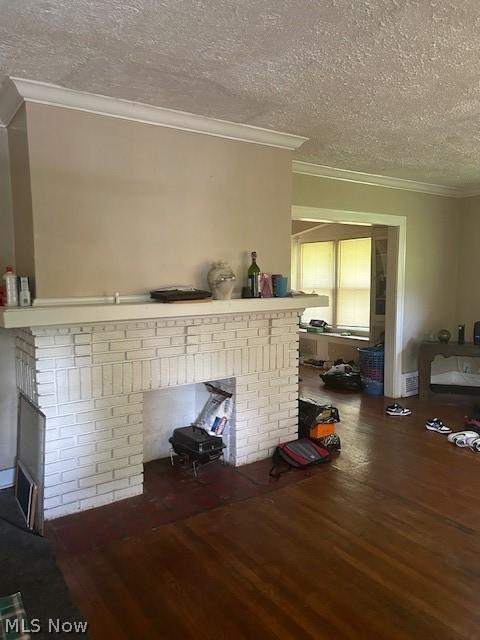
(383, 543)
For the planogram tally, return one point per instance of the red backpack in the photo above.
(300, 454)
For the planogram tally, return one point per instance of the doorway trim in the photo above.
(394, 316)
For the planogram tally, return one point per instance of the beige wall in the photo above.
(468, 268)
(432, 255)
(21, 194)
(124, 206)
(8, 393)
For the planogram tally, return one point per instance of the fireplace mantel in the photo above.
(70, 314)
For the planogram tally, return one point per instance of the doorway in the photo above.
(395, 289)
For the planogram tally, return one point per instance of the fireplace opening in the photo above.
(168, 409)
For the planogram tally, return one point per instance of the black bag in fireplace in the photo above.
(196, 443)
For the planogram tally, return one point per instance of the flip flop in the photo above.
(463, 438)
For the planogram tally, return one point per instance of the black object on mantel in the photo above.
(461, 334)
(181, 295)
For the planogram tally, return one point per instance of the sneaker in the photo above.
(435, 424)
(397, 410)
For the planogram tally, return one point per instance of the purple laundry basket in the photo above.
(372, 363)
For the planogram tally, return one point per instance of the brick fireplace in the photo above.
(89, 380)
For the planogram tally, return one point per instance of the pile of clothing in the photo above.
(343, 375)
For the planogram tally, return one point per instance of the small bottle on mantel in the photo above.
(254, 277)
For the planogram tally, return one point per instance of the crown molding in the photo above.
(471, 192)
(15, 91)
(321, 171)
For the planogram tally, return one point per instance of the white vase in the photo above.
(221, 280)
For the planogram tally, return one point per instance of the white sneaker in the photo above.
(397, 410)
(435, 424)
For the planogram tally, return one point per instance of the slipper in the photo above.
(463, 438)
(435, 424)
(397, 410)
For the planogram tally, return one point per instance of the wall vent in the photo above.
(410, 384)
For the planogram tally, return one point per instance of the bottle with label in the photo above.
(254, 277)
(11, 290)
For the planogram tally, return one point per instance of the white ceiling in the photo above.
(389, 87)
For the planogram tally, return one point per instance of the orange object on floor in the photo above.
(322, 429)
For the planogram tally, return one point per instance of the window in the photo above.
(317, 273)
(342, 271)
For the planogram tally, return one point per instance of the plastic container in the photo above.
(372, 362)
(11, 289)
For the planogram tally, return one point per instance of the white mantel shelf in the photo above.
(18, 317)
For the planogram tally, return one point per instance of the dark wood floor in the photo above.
(383, 543)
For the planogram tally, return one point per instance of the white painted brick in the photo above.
(126, 472)
(46, 388)
(288, 422)
(46, 341)
(110, 423)
(128, 492)
(52, 479)
(54, 352)
(156, 342)
(96, 414)
(111, 335)
(83, 350)
(247, 333)
(58, 489)
(81, 494)
(104, 358)
(212, 346)
(141, 354)
(245, 451)
(205, 328)
(127, 409)
(64, 510)
(82, 338)
(97, 501)
(114, 485)
(125, 345)
(79, 450)
(100, 347)
(101, 456)
(45, 376)
(93, 480)
(78, 472)
(136, 480)
(140, 333)
(238, 324)
(236, 344)
(170, 351)
(288, 321)
(45, 365)
(56, 467)
(136, 459)
(50, 503)
(131, 450)
(136, 438)
(170, 331)
(114, 463)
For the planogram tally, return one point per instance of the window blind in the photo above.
(318, 274)
(353, 288)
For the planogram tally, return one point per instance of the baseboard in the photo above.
(7, 478)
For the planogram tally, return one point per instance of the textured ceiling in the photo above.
(389, 87)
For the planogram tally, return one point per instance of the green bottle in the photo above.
(254, 277)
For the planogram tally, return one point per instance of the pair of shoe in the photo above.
(397, 410)
(470, 439)
(435, 424)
